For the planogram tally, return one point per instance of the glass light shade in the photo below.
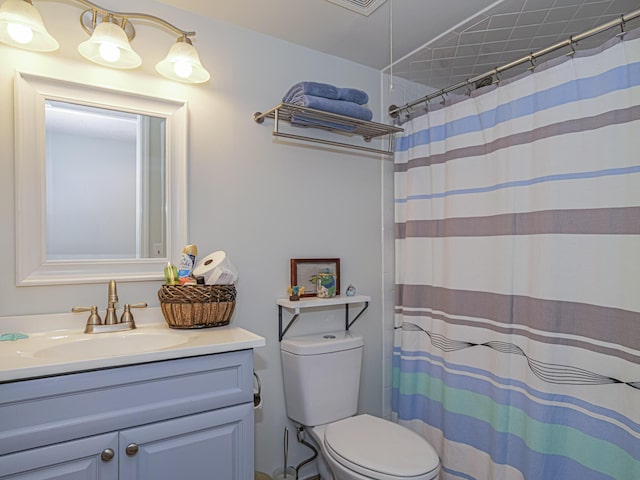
(183, 64)
(21, 26)
(109, 46)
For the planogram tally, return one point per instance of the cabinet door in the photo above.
(215, 445)
(92, 458)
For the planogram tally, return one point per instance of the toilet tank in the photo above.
(321, 376)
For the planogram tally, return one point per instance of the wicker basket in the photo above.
(197, 306)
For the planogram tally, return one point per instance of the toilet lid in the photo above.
(380, 449)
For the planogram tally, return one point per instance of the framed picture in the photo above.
(304, 272)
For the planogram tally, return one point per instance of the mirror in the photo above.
(104, 183)
(100, 182)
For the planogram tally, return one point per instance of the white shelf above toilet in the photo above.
(309, 302)
(314, 302)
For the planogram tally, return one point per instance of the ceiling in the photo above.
(435, 42)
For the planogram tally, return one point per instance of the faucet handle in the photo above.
(78, 309)
(94, 316)
(127, 316)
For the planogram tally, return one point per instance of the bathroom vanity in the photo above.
(176, 412)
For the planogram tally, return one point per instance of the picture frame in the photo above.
(303, 271)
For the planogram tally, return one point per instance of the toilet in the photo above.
(321, 383)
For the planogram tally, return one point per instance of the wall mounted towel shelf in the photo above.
(345, 126)
(310, 302)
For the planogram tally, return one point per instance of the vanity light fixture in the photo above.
(21, 26)
(109, 43)
(183, 63)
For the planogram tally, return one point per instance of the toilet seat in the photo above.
(380, 449)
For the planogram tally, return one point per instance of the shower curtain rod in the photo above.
(394, 110)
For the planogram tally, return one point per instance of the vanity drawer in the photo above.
(53, 409)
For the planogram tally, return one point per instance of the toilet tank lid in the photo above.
(321, 343)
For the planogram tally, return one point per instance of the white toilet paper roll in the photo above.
(216, 269)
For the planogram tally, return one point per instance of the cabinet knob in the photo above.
(131, 449)
(107, 454)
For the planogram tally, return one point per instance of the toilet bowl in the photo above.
(364, 447)
(321, 379)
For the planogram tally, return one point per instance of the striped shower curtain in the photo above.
(517, 312)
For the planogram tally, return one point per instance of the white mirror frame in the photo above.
(32, 266)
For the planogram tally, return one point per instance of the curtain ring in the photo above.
(444, 100)
(532, 61)
(497, 74)
(573, 49)
(622, 27)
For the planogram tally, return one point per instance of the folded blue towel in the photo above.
(302, 121)
(340, 107)
(326, 90)
(311, 88)
(353, 95)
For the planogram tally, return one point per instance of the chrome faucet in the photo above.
(111, 322)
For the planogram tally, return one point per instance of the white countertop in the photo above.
(56, 344)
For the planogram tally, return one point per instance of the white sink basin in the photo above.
(56, 344)
(107, 345)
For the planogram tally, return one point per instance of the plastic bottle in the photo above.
(187, 262)
(171, 275)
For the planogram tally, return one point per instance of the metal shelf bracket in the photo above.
(347, 325)
(293, 319)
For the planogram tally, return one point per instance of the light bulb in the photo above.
(109, 51)
(109, 46)
(183, 69)
(21, 26)
(20, 33)
(182, 63)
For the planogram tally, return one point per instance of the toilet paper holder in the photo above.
(257, 391)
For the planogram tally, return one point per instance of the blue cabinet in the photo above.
(206, 446)
(190, 418)
(74, 460)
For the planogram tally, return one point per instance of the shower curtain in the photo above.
(517, 309)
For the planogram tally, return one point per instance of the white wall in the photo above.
(263, 201)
